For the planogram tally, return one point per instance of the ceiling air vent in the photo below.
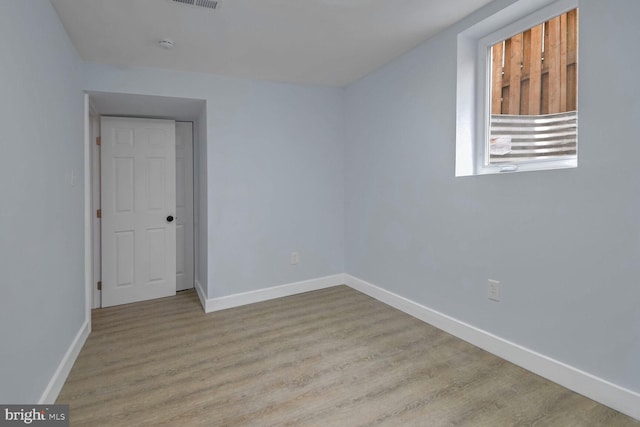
(208, 4)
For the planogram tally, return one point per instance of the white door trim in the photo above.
(94, 200)
(88, 217)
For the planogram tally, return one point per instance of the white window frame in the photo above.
(473, 108)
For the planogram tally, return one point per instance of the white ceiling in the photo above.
(326, 42)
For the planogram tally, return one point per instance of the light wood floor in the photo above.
(333, 357)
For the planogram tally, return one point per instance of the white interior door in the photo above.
(138, 209)
(184, 206)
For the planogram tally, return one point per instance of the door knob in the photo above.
(170, 218)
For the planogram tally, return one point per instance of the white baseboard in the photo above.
(202, 295)
(605, 392)
(60, 376)
(236, 300)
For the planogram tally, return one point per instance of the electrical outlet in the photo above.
(294, 258)
(493, 290)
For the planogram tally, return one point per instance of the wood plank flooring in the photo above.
(333, 357)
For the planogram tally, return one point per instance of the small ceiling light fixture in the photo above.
(166, 44)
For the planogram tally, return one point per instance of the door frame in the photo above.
(93, 237)
(95, 195)
(89, 237)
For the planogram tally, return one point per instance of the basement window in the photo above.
(521, 67)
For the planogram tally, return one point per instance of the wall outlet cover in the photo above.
(493, 290)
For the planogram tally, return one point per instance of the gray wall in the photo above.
(275, 176)
(41, 220)
(200, 199)
(296, 167)
(565, 244)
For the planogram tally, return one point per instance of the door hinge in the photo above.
(99, 213)
(100, 285)
(98, 140)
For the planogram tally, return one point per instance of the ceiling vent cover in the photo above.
(208, 4)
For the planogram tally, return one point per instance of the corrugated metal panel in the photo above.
(549, 136)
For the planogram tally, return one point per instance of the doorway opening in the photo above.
(190, 118)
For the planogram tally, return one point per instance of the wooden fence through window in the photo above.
(536, 72)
